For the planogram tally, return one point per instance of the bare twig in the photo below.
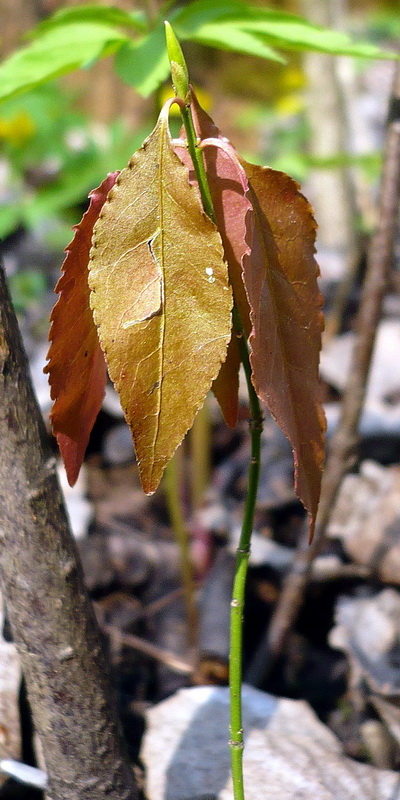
(322, 572)
(345, 439)
(52, 619)
(151, 650)
(162, 602)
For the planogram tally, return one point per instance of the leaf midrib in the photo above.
(161, 265)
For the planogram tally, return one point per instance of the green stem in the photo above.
(198, 162)
(243, 551)
(256, 426)
(182, 88)
(242, 560)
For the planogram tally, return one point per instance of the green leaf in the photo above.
(144, 64)
(227, 36)
(385, 24)
(27, 287)
(285, 30)
(295, 33)
(57, 52)
(10, 219)
(194, 15)
(103, 15)
(337, 160)
(298, 164)
(75, 182)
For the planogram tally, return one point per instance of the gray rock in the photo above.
(289, 754)
(368, 630)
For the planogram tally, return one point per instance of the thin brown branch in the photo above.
(162, 602)
(345, 438)
(52, 619)
(148, 649)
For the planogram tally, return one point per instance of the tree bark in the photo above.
(52, 619)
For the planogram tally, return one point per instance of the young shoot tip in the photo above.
(179, 70)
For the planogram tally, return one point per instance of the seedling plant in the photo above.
(187, 264)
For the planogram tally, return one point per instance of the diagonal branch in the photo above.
(345, 439)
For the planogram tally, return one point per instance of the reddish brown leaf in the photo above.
(280, 276)
(226, 384)
(228, 186)
(77, 369)
(280, 279)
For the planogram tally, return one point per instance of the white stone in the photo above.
(289, 754)
(10, 680)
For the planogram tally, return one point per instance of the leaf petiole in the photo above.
(198, 163)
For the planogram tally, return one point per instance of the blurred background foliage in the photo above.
(60, 139)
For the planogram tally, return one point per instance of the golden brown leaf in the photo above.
(161, 299)
(280, 276)
(77, 370)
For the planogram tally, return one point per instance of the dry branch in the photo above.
(345, 439)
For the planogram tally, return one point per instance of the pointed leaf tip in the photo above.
(161, 300)
(76, 366)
